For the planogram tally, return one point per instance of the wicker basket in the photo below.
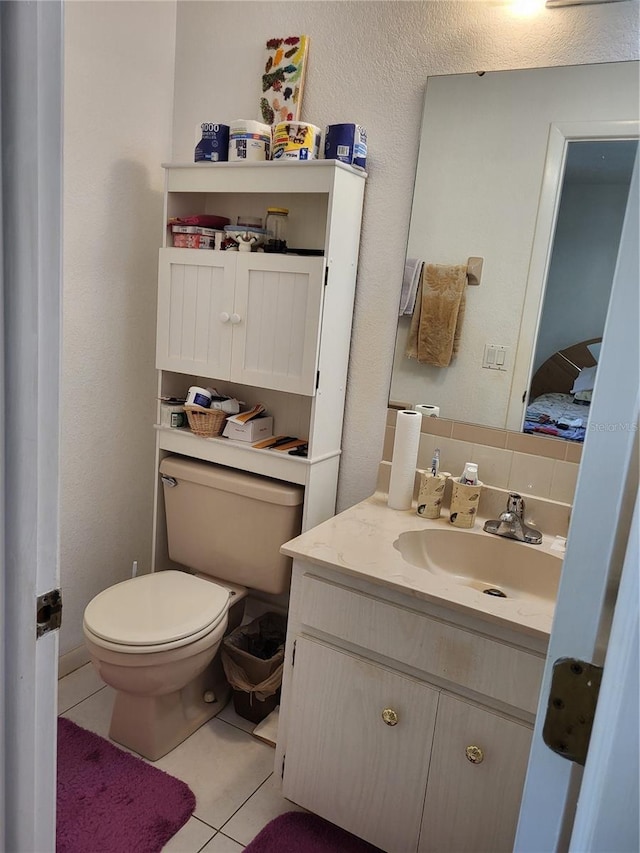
(205, 422)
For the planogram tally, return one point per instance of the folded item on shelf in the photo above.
(243, 417)
(205, 219)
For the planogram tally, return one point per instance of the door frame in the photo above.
(31, 45)
(560, 135)
(599, 534)
(607, 813)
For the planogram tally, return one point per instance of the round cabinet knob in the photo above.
(474, 754)
(235, 319)
(225, 317)
(390, 717)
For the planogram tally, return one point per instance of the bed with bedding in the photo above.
(560, 393)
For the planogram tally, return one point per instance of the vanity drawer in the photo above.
(436, 648)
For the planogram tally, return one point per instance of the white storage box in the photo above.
(253, 430)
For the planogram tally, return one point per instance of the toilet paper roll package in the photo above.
(348, 143)
(295, 140)
(212, 142)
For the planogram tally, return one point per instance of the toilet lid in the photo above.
(156, 609)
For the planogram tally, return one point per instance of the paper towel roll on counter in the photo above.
(429, 411)
(405, 459)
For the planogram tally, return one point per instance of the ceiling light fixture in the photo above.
(526, 8)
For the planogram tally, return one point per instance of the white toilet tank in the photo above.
(230, 524)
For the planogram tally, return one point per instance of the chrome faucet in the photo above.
(511, 523)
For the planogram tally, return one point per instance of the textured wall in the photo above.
(369, 63)
(119, 66)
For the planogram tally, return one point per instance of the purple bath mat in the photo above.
(112, 802)
(298, 832)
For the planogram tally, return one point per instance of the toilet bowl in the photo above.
(155, 638)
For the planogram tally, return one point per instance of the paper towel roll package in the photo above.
(249, 140)
(405, 458)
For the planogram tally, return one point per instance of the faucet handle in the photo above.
(515, 504)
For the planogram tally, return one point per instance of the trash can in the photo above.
(253, 660)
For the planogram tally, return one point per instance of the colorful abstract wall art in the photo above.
(283, 79)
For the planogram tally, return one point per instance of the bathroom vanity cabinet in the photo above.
(404, 722)
(266, 328)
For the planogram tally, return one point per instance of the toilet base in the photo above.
(154, 725)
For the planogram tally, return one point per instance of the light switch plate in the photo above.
(496, 357)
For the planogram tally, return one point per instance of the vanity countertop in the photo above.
(360, 542)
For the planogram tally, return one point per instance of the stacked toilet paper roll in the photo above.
(405, 458)
(429, 411)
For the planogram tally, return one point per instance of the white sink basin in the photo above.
(484, 563)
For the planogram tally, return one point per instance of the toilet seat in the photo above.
(155, 612)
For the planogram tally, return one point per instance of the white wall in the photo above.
(369, 62)
(585, 250)
(119, 68)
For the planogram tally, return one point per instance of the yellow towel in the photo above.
(434, 335)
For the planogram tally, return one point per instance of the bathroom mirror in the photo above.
(530, 171)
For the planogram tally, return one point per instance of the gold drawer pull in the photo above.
(474, 754)
(390, 717)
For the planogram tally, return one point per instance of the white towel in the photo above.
(410, 280)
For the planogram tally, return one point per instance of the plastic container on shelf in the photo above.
(276, 223)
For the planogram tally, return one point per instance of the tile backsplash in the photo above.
(544, 467)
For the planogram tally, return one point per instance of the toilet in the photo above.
(155, 638)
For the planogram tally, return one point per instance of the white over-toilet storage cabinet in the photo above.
(268, 328)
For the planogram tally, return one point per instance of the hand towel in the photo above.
(436, 325)
(410, 280)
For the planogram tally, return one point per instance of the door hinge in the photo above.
(48, 612)
(317, 379)
(326, 276)
(282, 768)
(293, 653)
(573, 697)
(524, 395)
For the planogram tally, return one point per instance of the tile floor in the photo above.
(229, 771)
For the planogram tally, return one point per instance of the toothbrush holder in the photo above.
(464, 503)
(431, 493)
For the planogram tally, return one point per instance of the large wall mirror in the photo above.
(529, 170)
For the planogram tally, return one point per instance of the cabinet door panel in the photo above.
(474, 807)
(195, 289)
(279, 307)
(342, 761)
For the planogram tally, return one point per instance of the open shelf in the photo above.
(237, 454)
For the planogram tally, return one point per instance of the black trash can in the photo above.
(253, 660)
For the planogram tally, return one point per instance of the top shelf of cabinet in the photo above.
(313, 176)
